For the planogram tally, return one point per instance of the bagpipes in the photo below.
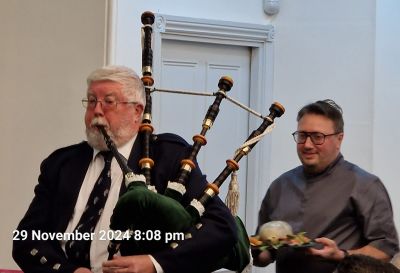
(152, 210)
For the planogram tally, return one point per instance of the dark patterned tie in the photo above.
(78, 251)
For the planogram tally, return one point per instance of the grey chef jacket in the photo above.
(344, 203)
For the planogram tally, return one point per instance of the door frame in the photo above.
(259, 38)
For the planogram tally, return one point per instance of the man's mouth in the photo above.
(96, 122)
(308, 154)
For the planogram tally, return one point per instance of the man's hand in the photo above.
(129, 264)
(330, 250)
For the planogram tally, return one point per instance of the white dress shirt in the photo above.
(98, 249)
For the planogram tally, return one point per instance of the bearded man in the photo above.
(64, 195)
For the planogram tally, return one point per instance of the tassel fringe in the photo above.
(232, 198)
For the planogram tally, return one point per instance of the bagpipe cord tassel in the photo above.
(232, 198)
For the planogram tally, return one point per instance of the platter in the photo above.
(293, 241)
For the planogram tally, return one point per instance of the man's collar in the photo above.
(124, 150)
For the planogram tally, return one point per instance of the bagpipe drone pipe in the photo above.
(142, 208)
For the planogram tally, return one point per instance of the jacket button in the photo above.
(34, 251)
(43, 260)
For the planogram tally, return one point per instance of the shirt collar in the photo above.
(124, 150)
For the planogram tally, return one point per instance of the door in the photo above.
(197, 66)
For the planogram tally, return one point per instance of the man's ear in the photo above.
(340, 139)
(139, 108)
(138, 113)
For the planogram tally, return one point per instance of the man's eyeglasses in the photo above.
(316, 137)
(109, 103)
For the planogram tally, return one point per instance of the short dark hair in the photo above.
(327, 108)
(365, 264)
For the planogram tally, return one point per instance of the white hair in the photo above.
(132, 85)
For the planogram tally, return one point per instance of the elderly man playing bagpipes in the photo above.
(115, 100)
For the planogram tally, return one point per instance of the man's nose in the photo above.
(98, 109)
(308, 142)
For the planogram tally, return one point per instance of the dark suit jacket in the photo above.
(61, 177)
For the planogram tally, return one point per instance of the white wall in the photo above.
(325, 49)
(386, 119)
(344, 50)
(47, 49)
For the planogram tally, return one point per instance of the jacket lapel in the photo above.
(72, 175)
